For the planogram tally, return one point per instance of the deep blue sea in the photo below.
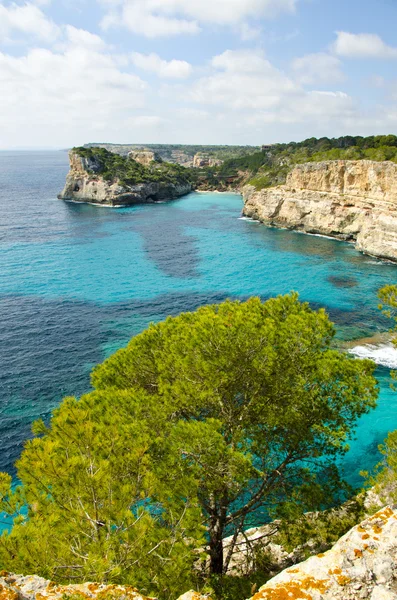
(77, 281)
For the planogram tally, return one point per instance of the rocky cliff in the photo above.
(361, 565)
(351, 200)
(201, 160)
(86, 183)
(144, 157)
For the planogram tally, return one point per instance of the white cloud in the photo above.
(65, 96)
(173, 69)
(248, 89)
(362, 45)
(27, 20)
(243, 79)
(83, 38)
(155, 18)
(318, 68)
(247, 32)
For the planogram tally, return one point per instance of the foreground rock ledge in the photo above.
(362, 564)
(354, 201)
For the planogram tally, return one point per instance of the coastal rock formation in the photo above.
(201, 160)
(20, 587)
(361, 565)
(84, 183)
(144, 157)
(32, 587)
(354, 201)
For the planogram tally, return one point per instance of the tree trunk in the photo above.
(216, 545)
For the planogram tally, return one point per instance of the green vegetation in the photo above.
(384, 481)
(172, 152)
(113, 166)
(271, 166)
(203, 425)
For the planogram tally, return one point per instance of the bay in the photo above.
(77, 281)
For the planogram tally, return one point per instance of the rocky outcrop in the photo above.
(84, 183)
(20, 587)
(361, 565)
(32, 587)
(351, 200)
(204, 160)
(144, 157)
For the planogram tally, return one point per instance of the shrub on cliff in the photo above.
(219, 418)
(112, 167)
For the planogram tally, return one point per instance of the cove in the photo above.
(77, 282)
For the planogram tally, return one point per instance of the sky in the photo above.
(195, 71)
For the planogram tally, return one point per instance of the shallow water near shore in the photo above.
(77, 282)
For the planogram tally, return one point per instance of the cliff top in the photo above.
(127, 171)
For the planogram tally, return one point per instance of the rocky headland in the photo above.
(101, 177)
(354, 201)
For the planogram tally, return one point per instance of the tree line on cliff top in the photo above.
(204, 425)
(262, 169)
(271, 166)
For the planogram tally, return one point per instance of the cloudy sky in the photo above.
(195, 71)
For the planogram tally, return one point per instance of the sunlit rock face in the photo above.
(361, 565)
(85, 184)
(20, 587)
(144, 157)
(352, 200)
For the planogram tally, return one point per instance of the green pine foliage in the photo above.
(204, 425)
(128, 172)
(271, 166)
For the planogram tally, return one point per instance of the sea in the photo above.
(78, 281)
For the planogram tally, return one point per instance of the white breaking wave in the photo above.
(249, 219)
(383, 354)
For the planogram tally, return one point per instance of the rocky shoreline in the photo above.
(86, 185)
(355, 201)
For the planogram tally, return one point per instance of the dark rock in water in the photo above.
(342, 282)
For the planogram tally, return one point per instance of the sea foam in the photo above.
(382, 354)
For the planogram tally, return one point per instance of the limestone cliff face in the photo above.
(204, 160)
(85, 184)
(351, 200)
(144, 157)
(362, 564)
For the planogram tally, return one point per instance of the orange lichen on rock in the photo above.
(377, 529)
(358, 553)
(293, 590)
(7, 594)
(336, 571)
(365, 536)
(383, 514)
(343, 580)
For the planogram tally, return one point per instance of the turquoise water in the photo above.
(76, 282)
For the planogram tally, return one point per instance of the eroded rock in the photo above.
(351, 200)
(362, 564)
(85, 184)
(21, 587)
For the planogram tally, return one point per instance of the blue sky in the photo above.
(195, 71)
